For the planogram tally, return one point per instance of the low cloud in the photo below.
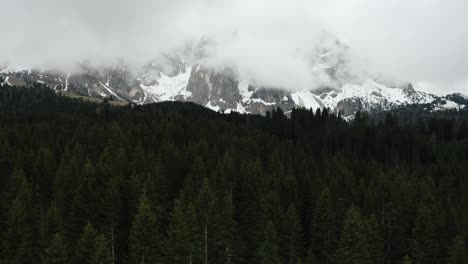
(273, 41)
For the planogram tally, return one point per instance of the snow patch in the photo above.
(11, 69)
(169, 87)
(243, 87)
(66, 81)
(212, 107)
(258, 100)
(448, 105)
(306, 99)
(372, 93)
(110, 91)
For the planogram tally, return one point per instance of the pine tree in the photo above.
(92, 248)
(293, 243)
(101, 254)
(353, 246)
(251, 219)
(52, 225)
(194, 181)
(225, 232)
(85, 202)
(139, 165)
(65, 183)
(184, 238)
(374, 240)
(19, 240)
(268, 251)
(406, 260)
(311, 258)
(457, 252)
(206, 211)
(42, 178)
(144, 237)
(424, 245)
(321, 230)
(56, 252)
(156, 183)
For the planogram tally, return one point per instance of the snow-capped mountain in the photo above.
(186, 78)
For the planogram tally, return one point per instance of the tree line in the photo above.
(177, 183)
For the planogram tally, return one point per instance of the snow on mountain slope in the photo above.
(370, 90)
(307, 100)
(444, 105)
(11, 70)
(167, 88)
(244, 90)
(372, 95)
(221, 91)
(184, 77)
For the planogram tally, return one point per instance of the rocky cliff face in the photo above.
(221, 90)
(185, 77)
(208, 87)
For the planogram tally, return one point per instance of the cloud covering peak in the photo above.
(423, 41)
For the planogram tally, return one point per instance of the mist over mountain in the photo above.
(326, 79)
(419, 41)
(233, 131)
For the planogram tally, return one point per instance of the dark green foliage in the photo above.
(374, 240)
(268, 251)
(20, 226)
(424, 244)
(227, 245)
(293, 241)
(310, 258)
(56, 252)
(321, 237)
(92, 248)
(457, 252)
(353, 246)
(144, 241)
(184, 244)
(177, 183)
(406, 260)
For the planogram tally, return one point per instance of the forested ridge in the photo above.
(177, 183)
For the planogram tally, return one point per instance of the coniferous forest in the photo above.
(177, 183)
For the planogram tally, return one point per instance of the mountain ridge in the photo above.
(222, 91)
(189, 76)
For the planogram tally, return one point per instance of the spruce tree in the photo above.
(353, 246)
(310, 257)
(85, 202)
(293, 242)
(139, 164)
(457, 252)
(52, 225)
(424, 245)
(144, 239)
(56, 252)
(406, 260)
(226, 240)
(321, 229)
(92, 248)
(268, 251)
(374, 240)
(206, 211)
(101, 253)
(184, 243)
(251, 219)
(19, 240)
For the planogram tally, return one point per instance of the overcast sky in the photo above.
(422, 41)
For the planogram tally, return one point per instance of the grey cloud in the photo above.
(423, 41)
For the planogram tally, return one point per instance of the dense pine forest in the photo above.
(177, 183)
